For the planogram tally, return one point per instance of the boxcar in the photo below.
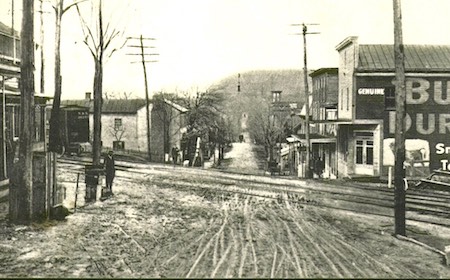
(75, 129)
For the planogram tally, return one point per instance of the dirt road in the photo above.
(169, 221)
(242, 158)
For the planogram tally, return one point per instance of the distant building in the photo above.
(323, 130)
(124, 124)
(285, 116)
(168, 126)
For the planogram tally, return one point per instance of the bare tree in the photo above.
(117, 131)
(165, 113)
(204, 117)
(99, 40)
(127, 95)
(117, 95)
(55, 141)
(264, 127)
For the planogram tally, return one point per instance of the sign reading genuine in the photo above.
(371, 91)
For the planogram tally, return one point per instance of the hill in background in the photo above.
(255, 92)
(260, 83)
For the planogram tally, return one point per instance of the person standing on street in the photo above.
(175, 155)
(110, 170)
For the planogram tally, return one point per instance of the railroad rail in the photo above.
(426, 206)
(437, 173)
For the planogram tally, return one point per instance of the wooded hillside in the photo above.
(255, 91)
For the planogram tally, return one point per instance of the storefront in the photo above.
(365, 145)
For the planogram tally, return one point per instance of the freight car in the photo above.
(75, 129)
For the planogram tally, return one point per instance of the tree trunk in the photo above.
(98, 86)
(167, 139)
(55, 141)
(21, 187)
(98, 92)
(270, 152)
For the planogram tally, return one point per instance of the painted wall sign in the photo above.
(427, 119)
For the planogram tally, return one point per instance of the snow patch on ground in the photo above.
(192, 200)
(29, 255)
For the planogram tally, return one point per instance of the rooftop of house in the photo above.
(323, 71)
(424, 58)
(110, 106)
(117, 106)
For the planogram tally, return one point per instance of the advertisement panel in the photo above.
(427, 119)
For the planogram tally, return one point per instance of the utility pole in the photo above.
(142, 54)
(400, 113)
(21, 187)
(41, 26)
(305, 77)
(5, 169)
(239, 83)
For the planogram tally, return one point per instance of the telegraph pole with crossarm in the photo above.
(400, 113)
(143, 55)
(305, 77)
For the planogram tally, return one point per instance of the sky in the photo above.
(200, 42)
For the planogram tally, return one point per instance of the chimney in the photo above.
(87, 96)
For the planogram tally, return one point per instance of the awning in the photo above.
(9, 70)
(294, 138)
(314, 139)
(331, 121)
(322, 140)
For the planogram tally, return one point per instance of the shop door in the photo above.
(364, 155)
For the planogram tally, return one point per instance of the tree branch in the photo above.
(71, 5)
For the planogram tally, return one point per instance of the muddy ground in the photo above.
(166, 221)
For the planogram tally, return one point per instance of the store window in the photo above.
(118, 145)
(348, 99)
(389, 98)
(364, 148)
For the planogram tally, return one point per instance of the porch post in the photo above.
(5, 172)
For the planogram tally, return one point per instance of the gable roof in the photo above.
(176, 106)
(315, 73)
(123, 106)
(76, 102)
(418, 58)
(110, 106)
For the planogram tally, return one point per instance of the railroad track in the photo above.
(426, 206)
